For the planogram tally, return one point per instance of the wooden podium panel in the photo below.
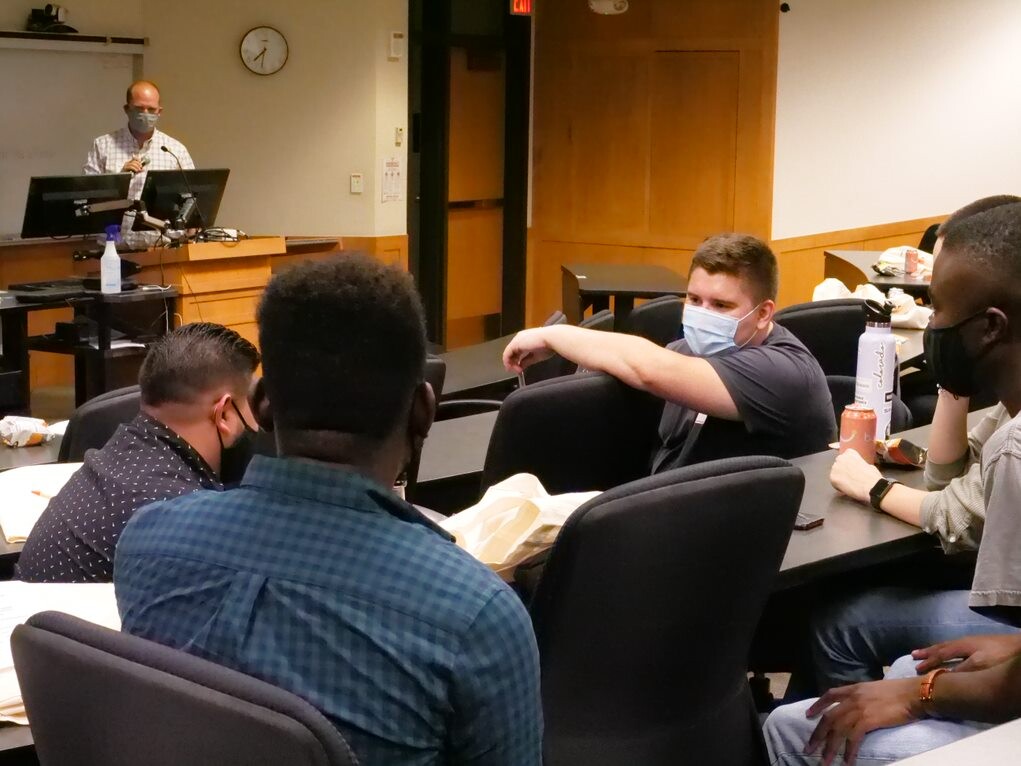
(216, 281)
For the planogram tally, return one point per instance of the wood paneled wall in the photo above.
(801, 258)
(652, 130)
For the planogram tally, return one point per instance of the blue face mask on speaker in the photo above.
(709, 332)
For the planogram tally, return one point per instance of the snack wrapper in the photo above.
(18, 431)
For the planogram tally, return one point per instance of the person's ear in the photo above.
(423, 411)
(765, 313)
(996, 328)
(258, 403)
(221, 408)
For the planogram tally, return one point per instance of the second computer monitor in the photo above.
(166, 194)
(60, 206)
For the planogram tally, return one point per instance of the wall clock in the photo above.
(264, 50)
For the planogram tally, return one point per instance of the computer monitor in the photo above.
(59, 206)
(186, 198)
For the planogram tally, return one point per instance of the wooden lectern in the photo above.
(216, 281)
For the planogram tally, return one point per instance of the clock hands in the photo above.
(262, 55)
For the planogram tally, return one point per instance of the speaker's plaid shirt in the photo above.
(321, 582)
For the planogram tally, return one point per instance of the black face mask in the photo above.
(952, 366)
(235, 458)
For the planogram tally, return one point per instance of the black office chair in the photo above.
(829, 329)
(658, 320)
(928, 240)
(556, 365)
(842, 393)
(97, 697)
(92, 424)
(601, 320)
(581, 432)
(645, 613)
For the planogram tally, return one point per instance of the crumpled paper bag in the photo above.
(513, 521)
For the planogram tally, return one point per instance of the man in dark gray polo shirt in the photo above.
(762, 390)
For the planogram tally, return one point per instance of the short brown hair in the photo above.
(743, 256)
(194, 359)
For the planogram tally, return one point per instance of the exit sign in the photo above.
(521, 7)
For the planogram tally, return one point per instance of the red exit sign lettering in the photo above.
(521, 7)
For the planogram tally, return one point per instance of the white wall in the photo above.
(291, 139)
(890, 110)
(116, 18)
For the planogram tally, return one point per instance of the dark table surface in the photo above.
(862, 260)
(634, 279)
(853, 536)
(477, 371)
(20, 457)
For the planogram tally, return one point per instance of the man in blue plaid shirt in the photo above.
(313, 575)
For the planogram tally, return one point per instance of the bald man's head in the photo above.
(143, 90)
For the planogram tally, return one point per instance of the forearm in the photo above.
(904, 503)
(686, 380)
(948, 440)
(615, 354)
(992, 695)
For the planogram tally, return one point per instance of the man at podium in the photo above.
(137, 148)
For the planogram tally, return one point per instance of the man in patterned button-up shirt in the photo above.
(314, 575)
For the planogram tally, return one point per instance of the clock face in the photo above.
(264, 50)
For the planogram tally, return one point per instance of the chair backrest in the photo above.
(581, 432)
(928, 240)
(829, 329)
(842, 394)
(92, 424)
(646, 610)
(659, 320)
(556, 365)
(95, 696)
(601, 320)
(435, 374)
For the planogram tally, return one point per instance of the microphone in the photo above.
(191, 203)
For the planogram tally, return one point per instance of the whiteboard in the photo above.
(52, 105)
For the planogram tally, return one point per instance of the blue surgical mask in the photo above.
(709, 332)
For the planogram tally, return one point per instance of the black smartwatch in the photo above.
(880, 490)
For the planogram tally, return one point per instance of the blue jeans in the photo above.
(855, 638)
(787, 731)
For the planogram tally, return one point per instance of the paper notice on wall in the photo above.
(393, 180)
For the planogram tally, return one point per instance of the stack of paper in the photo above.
(26, 492)
(20, 600)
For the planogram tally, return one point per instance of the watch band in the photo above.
(880, 490)
(927, 690)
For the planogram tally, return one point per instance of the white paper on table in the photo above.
(94, 602)
(26, 492)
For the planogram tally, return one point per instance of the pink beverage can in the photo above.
(858, 431)
(910, 261)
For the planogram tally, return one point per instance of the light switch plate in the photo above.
(357, 183)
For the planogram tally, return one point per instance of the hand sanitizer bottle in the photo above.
(110, 263)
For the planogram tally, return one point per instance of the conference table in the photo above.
(852, 537)
(593, 284)
(853, 267)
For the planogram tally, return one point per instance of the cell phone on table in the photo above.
(808, 521)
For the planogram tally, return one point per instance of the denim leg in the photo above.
(787, 731)
(854, 638)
